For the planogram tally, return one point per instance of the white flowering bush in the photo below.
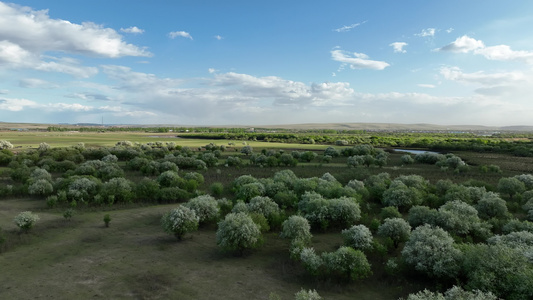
(5, 145)
(179, 221)
(26, 220)
(343, 211)
(311, 261)
(250, 190)
(346, 263)
(43, 147)
(397, 229)
(263, 205)
(40, 187)
(491, 206)
(168, 179)
(82, 189)
(458, 217)
(430, 250)
(307, 295)
(238, 232)
(358, 237)
(206, 207)
(296, 227)
(454, 293)
(110, 158)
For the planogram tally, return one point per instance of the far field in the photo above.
(135, 259)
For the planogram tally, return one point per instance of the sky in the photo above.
(267, 62)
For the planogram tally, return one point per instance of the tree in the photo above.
(205, 207)
(40, 187)
(296, 227)
(454, 293)
(347, 263)
(458, 217)
(118, 190)
(358, 237)
(430, 250)
(498, 268)
(179, 221)
(26, 220)
(265, 207)
(407, 159)
(247, 150)
(5, 145)
(400, 195)
(397, 229)
(492, 206)
(511, 186)
(238, 232)
(307, 295)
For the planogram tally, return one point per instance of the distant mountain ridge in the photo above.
(303, 126)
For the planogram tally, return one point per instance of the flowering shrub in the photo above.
(347, 263)
(238, 232)
(430, 250)
(264, 206)
(358, 237)
(205, 207)
(296, 227)
(311, 261)
(307, 295)
(179, 221)
(25, 220)
(395, 228)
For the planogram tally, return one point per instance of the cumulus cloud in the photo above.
(425, 85)
(455, 74)
(212, 70)
(463, 44)
(218, 37)
(467, 44)
(133, 29)
(346, 28)
(89, 96)
(426, 32)
(11, 104)
(357, 60)
(35, 32)
(505, 53)
(398, 47)
(36, 83)
(175, 34)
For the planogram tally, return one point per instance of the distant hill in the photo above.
(305, 126)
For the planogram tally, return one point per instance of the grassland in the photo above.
(135, 259)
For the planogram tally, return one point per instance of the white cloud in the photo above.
(16, 104)
(212, 70)
(175, 34)
(426, 32)
(505, 53)
(89, 96)
(467, 44)
(346, 28)
(491, 79)
(35, 32)
(36, 83)
(133, 29)
(357, 60)
(425, 85)
(138, 81)
(463, 44)
(449, 30)
(398, 47)
(218, 37)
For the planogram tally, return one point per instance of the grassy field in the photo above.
(31, 139)
(135, 259)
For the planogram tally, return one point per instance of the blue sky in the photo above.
(266, 62)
